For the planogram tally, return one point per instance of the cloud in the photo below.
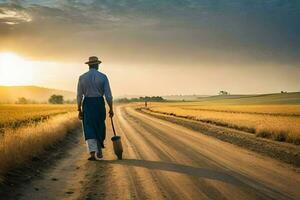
(237, 44)
(228, 31)
(13, 15)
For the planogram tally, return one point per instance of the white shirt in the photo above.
(93, 84)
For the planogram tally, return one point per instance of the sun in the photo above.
(15, 70)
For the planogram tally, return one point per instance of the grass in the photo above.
(277, 122)
(28, 130)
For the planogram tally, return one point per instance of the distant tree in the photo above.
(22, 100)
(142, 99)
(56, 99)
(222, 92)
(151, 99)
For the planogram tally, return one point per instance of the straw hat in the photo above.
(93, 60)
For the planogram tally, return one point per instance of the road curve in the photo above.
(166, 161)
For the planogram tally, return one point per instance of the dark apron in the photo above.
(94, 115)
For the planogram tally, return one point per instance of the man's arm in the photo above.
(79, 98)
(108, 97)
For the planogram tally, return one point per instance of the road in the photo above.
(164, 161)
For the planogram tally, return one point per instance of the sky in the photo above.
(154, 47)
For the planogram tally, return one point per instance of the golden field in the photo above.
(14, 116)
(27, 130)
(277, 122)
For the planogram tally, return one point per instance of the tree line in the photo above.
(59, 99)
(141, 99)
(53, 99)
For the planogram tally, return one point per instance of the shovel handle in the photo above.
(113, 127)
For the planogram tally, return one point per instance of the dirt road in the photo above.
(164, 161)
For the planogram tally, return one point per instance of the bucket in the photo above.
(117, 143)
(118, 148)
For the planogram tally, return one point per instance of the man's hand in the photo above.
(111, 113)
(80, 115)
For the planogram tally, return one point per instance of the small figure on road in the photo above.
(92, 86)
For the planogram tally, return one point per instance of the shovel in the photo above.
(118, 148)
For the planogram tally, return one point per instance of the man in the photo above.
(92, 86)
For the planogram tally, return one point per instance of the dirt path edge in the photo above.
(35, 167)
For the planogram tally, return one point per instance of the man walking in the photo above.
(92, 86)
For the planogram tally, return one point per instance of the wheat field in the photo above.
(27, 130)
(14, 116)
(277, 122)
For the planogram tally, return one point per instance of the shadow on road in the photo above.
(183, 169)
(229, 176)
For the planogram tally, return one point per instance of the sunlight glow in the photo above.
(15, 70)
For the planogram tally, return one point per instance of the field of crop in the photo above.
(277, 122)
(27, 130)
(14, 116)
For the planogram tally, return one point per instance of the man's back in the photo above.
(94, 84)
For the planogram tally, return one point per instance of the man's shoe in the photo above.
(99, 155)
(92, 157)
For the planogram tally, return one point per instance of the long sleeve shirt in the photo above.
(93, 84)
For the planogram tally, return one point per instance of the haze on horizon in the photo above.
(154, 47)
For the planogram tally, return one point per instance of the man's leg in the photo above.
(99, 153)
(93, 149)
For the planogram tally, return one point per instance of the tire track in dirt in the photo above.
(164, 151)
(160, 187)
